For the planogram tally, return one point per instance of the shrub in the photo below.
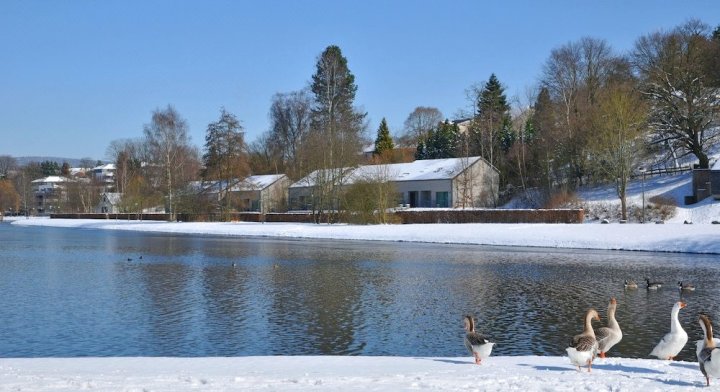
(561, 199)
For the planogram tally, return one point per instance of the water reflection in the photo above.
(75, 293)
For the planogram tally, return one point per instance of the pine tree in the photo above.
(491, 117)
(383, 141)
(334, 118)
(336, 129)
(50, 168)
(441, 142)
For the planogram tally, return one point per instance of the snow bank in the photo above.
(697, 238)
(527, 373)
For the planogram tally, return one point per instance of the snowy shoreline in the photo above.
(670, 237)
(333, 373)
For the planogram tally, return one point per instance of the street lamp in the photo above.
(642, 170)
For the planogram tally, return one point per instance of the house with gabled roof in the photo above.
(430, 183)
(262, 193)
(258, 193)
(109, 203)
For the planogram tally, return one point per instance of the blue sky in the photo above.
(75, 75)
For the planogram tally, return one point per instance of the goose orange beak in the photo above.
(682, 304)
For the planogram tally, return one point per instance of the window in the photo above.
(425, 198)
(442, 199)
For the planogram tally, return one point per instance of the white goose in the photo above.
(584, 346)
(476, 343)
(611, 335)
(708, 354)
(673, 342)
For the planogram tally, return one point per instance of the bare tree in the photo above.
(418, 124)
(7, 164)
(573, 75)
(684, 103)
(128, 155)
(371, 195)
(290, 117)
(168, 143)
(619, 123)
(225, 157)
(9, 198)
(263, 156)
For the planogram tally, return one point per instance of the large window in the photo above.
(425, 199)
(442, 199)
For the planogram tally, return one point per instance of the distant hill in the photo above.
(73, 162)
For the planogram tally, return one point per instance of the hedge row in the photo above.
(492, 216)
(406, 216)
(148, 217)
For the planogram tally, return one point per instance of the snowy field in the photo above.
(297, 373)
(669, 237)
(527, 373)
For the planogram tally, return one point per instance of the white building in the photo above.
(104, 174)
(429, 183)
(262, 193)
(109, 203)
(259, 193)
(49, 192)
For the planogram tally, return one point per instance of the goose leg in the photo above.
(602, 354)
(589, 363)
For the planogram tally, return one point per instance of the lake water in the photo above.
(72, 292)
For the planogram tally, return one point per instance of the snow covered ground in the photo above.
(527, 373)
(670, 237)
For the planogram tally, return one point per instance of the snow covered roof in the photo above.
(256, 183)
(107, 166)
(419, 170)
(252, 183)
(50, 179)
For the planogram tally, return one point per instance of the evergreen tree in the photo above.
(65, 169)
(50, 168)
(335, 121)
(383, 141)
(441, 142)
(491, 118)
(336, 130)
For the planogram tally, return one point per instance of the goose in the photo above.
(630, 284)
(686, 286)
(652, 285)
(583, 347)
(708, 354)
(476, 343)
(611, 335)
(675, 340)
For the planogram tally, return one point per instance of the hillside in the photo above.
(602, 202)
